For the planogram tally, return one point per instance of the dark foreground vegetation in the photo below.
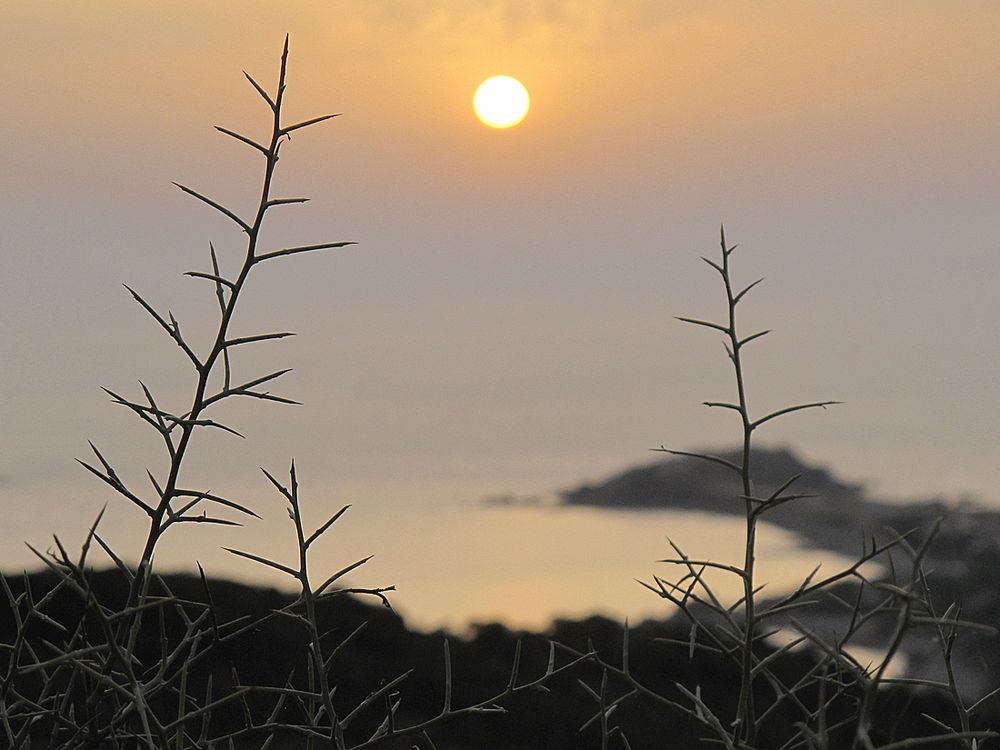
(269, 648)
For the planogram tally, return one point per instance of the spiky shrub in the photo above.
(836, 701)
(117, 677)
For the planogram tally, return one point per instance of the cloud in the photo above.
(518, 20)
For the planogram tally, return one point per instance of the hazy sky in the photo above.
(506, 322)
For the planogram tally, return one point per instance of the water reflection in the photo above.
(526, 565)
(455, 562)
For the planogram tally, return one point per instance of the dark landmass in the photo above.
(838, 518)
(544, 720)
(508, 501)
(963, 560)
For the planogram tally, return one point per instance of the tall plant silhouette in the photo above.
(755, 506)
(835, 703)
(118, 678)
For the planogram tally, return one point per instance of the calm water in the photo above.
(525, 566)
(456, 562)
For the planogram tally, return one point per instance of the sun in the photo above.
(501, 102)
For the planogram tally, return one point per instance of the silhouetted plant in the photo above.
(835, 703)
(117, 678)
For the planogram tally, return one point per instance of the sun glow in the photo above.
(501, 102)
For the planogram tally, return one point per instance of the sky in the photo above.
(506, 323)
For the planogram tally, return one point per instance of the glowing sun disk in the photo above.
(501, 102)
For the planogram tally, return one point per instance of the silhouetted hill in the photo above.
(696, 484)
(834, 519)
(545, 720)
(964, 558)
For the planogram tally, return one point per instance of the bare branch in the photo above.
(242, 138)
(340, 574)
(171, 331)
(244, 388)
(149, 415)
(111, 478)
(743, 342)
(705, 323)
(322, 529)
(723, 405)
(279, 486)
(266, 97)
(790, 409)
(210, 277)
(253, 339)
(221, 296)
(209, 497)
(201, 519)
(706, 564)
(714, 265)
(209, 423)
(264, 561)
(302, 249)
(306, 123)
(374, 696)
(285, 201)
(265, 396)
(161, 423)
(217, 206)
(746, 289)
(703, 456)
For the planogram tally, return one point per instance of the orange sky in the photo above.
(672, 84)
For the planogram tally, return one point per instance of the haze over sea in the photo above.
(505, 325)
(455, 560)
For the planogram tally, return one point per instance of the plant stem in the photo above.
(746, 713)
(205, 370)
